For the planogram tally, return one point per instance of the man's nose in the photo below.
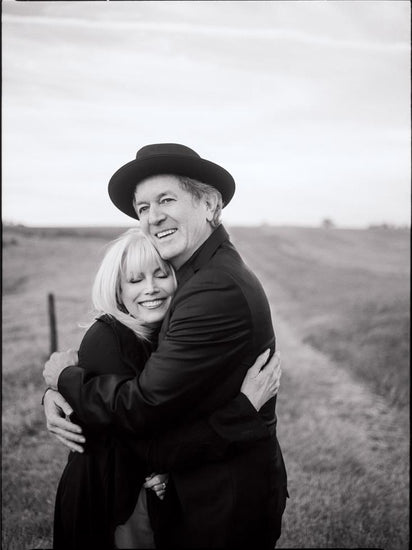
(156, 214)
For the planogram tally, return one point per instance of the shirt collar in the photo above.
(202, 255)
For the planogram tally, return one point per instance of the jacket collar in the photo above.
(202, 255)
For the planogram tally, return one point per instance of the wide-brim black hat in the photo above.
(166, 158)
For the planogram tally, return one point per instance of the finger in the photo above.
(60, 425)
(67, 435)
(64, 424)
(259, 363)
(271, 370)
(276, 375)
(70, 444)
(66, 408)
(149, 484)
(156, 479)
(274, 388)
(63, 404)
(155, 485)
(274, 361)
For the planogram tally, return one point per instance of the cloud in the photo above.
(209, 31)
(309, 96)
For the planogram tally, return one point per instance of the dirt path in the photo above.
(346, 453)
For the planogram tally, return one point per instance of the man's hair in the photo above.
(132, 252)
(198, 190)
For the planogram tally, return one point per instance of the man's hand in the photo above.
(261, 385)
(56, 409)
(157, 483)
(58, 361)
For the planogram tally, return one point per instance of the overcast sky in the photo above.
(305, 103)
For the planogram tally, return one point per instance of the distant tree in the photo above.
(327, 223)
(384, 226)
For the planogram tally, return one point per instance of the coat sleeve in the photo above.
(99, 353)
(207, 342)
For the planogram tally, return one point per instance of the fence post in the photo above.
(52, 324)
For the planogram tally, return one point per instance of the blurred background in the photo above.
(307, 104)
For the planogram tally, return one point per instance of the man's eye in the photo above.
(142, 209)
(165, 200)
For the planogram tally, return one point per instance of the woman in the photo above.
(105, 494)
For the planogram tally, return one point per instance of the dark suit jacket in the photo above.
(219, 321)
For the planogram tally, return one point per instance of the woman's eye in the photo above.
(161, 275)
(132, 281)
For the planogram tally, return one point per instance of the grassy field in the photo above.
(340, 302)
(347, 292)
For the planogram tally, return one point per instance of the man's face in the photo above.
(176, 223)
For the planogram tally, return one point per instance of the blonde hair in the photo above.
(131, 252)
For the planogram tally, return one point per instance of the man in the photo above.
(218, 322)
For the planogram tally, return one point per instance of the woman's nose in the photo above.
(151, 287)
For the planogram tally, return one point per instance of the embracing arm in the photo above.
(207, 439)
(196, 442)
(206, 351)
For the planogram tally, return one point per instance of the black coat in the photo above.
(99, 488)
(218, 322)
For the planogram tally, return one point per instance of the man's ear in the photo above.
(211, 205)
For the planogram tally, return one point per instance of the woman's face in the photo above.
(147, 295)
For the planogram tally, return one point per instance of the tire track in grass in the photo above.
(346, 454)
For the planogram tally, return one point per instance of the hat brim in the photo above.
(122, 184)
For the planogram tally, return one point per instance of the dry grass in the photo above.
(340, 304)
(346, 292)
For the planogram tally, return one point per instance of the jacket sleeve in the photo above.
(99, 355)
(206, 344)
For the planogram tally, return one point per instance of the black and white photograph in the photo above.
(206, 215)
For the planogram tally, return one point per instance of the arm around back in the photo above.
(202, 358)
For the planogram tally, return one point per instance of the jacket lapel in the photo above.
(200, 258)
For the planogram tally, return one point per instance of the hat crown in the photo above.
(159, 149)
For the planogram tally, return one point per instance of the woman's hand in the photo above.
(56, 364)
(261, 384)
(158, 484)
(57, 411)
